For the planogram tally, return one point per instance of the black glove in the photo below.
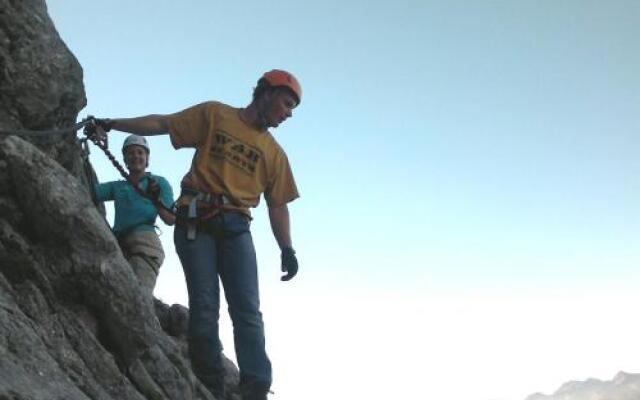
(289, 263)
(153, 190)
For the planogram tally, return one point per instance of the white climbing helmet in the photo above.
(137, 140)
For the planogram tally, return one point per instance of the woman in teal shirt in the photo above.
(135, 216)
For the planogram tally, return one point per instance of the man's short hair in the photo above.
(262, 88)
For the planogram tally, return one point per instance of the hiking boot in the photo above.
(254, 393)
(214, 384)
(253, 390)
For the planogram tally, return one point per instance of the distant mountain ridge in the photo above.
(623, 386)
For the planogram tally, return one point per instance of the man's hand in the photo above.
(105, 123)
(289, 263)
(97, 129)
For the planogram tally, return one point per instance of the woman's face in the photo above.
(136, 158)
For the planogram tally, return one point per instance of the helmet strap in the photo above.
(262, 121)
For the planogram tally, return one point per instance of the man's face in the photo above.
(279, 105)
(135, 157)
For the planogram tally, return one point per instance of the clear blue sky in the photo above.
(473, 152)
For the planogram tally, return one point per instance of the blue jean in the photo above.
(224, 247)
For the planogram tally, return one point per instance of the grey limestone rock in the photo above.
(74, 323)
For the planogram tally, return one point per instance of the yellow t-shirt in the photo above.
(232, 158)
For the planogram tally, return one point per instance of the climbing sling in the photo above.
(102, 144)
(210, 201)
(89, 124)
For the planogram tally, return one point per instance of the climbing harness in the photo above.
(214, 202)
(89, 125)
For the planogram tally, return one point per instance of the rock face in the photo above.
(40, 80)
(74, 323)
(624, 386)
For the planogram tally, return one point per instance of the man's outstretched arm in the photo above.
(148, 125)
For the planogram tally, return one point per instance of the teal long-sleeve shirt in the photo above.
(134, 212)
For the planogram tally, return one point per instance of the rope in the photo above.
(27, 132)
(89, 124)
(103, 146)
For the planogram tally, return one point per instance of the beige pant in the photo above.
(143, 250)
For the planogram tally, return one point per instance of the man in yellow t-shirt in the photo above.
(236, 161)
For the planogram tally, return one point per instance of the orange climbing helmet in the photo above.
(278, 77)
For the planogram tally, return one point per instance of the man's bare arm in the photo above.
(148, 125)
(280, 225)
